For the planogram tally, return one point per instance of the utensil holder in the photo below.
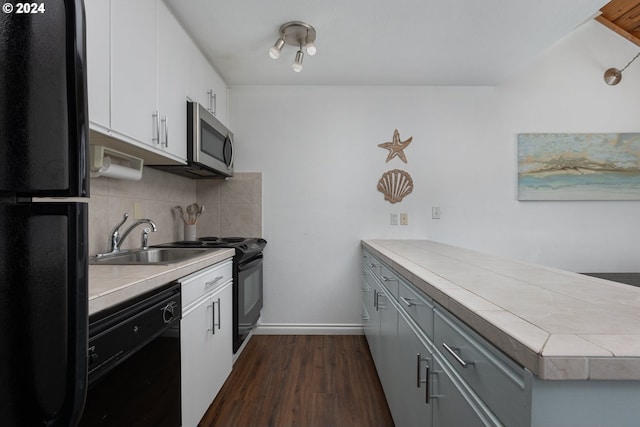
(190, 232)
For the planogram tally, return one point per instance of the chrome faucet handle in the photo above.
(115, 234)
(145, 239)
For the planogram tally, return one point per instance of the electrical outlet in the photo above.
(435, 212)
(404, 219)
(394, 219)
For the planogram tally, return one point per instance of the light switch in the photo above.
(435, 212)
(394, 219)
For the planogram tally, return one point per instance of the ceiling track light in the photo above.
(299, 34)
(613, 76)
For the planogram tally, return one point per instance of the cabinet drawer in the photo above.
(418, 307)
(390, 279)
(496, 379)
(204, 281)
(370, 262)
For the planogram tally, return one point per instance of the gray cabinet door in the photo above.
(372, 324)
(386, 362)
(451, 407)
(412, 406)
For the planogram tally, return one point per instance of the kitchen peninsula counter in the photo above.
(558, 324)
(113, 284)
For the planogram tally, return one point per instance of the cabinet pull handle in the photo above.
(213, 318)
(388, 279)
(373, 264)
(407, 301)
(215, 104)
(427, 397)
(381, 294)
(419, 380)
(214, 281)
(156, 120)
(219, 310)
(165, 125)
(210, 100)
(375, 299)
(451, 351)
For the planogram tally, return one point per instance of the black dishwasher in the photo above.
(134, 362)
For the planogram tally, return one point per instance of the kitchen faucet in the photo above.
(117, 239)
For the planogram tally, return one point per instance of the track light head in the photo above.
(275, 50)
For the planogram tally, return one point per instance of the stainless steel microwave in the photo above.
(209, 146)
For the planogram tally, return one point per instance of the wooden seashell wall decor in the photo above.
(395, 185)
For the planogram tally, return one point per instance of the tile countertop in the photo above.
(113, 284)
(558, 324)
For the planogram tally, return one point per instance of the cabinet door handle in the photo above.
(165, 125)
(373, 265)
(219, 311)
(375, 299)
(212, 107)
(388, 279)
(213, 282)
(419, 380)
(451, 351)
(156, 121)
(381, 294)
(213, 318)
(407, 301)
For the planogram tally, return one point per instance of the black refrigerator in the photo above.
(43, 244)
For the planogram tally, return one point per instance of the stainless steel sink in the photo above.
(152, 256)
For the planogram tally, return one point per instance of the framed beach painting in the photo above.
(579, 166)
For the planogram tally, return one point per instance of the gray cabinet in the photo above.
(413, 405)
(433, 369)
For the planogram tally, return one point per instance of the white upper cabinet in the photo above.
(98, 62)
(172, 83)
(133, 70)
(140, 76)
(205, 86)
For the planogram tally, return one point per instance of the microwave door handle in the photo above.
(229, 141)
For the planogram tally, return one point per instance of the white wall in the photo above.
(317, 149)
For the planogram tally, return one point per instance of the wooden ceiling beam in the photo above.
(623, 17)
(621, 31)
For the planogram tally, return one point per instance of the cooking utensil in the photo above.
(180, 212)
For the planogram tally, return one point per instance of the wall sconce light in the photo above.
(613, 76)
(298, 34)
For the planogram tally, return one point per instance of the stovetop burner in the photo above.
(246, 247)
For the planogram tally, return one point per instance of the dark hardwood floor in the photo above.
(301, 380)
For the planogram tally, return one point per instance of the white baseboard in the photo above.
(307, 329)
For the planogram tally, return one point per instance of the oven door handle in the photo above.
(257, 260)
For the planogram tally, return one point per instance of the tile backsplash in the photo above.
(232, 207)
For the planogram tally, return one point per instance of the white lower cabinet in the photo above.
(205, 339)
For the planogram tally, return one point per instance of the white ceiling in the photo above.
(381, 42)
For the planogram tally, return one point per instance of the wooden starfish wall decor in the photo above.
(396, 184)
(396, 147)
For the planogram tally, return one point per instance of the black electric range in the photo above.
(246, 247)
(247, 279)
